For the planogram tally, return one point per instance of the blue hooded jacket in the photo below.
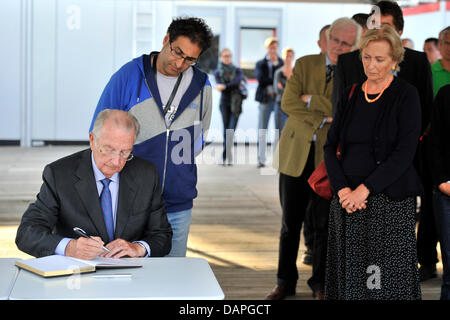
(133, 88)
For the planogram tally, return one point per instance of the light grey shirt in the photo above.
(165, 87)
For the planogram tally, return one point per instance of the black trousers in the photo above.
(320, 209)
(295, 196)
(229, 120)
(308, 229)
(427, 237)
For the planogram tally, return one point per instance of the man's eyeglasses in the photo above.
(336, 41)
(177, 53)
(124, 155)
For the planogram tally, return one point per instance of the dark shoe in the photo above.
(279, 293)
(427, 272)
(260, 165)
(319, 295)
(307, 258)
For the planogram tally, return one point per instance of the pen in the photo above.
(83, 233)
(119, 275)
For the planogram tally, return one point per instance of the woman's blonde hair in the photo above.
(285, 51)
(269, 41)
(388, 34)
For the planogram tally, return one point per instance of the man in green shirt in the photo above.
(441, 68)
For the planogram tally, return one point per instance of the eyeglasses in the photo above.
(337, 42)
(179, 55)
(124, 155)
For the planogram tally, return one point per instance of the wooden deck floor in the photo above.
(235, 221)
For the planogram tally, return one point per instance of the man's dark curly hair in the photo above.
(392, 8)
(194, 28)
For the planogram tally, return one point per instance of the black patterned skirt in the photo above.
(372, 253)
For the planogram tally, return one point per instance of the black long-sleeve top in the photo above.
(264, 74)
(414, 68)
(440, 142)
(378, 141)
(230, 84)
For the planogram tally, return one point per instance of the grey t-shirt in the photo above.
(165, 87)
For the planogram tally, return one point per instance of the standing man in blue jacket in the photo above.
(171, 98)
(265, 93)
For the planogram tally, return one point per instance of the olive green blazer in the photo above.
(308, 77)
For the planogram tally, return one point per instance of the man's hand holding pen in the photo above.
(85, 248)
(88, 247)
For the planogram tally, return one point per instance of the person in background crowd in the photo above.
(308, 227)
(430, 47)
(427, 235)
(279, 83)
(265, 93)
(441, 68)
(307, 101)
(408, 43)
(428, 230)
(372, 215)
(361, 19)
(322, 42)
(228, 79)
(440, 160)
(416, 70)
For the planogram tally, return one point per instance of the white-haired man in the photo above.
(301, 150)
(82, 190)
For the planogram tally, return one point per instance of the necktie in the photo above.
(105, 200)
(330, 72)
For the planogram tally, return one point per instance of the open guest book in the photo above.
(55, 265)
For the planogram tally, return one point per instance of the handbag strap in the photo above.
(352, 91)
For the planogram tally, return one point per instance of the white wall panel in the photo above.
(10, 70)
(43, 115)
(77, 46)
(84, 59)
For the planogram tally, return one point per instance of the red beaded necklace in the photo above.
(381, 92)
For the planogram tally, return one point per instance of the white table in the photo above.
(8, 274)
(158, 279)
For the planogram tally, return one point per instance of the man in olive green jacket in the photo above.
(307, 101)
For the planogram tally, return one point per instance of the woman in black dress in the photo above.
(371, 242)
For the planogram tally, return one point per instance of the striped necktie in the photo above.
(105, 200)
(330, 72)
